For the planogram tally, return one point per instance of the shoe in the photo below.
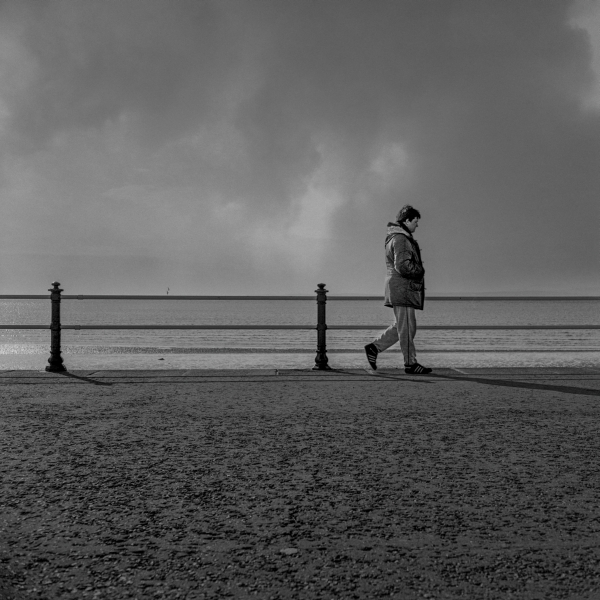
(417, 369)
(372, 352)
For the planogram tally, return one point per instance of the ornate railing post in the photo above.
(321, 358)
(55, 360)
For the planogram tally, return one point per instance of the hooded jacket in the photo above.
(404, 283)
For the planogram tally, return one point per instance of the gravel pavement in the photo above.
(273, 484)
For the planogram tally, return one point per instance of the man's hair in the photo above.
(407, 213)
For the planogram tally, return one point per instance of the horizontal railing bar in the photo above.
(25, 297)
(349, 298)
(123, 297)
(477, 298)
(313, 327)
(24, 326)
(77, 327)
(470, 327)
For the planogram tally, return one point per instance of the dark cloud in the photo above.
(472, 110)
(97, 61)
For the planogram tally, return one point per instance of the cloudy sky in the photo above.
(261, 146)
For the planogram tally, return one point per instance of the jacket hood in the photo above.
(393, 229)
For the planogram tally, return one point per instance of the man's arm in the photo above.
(406, 261)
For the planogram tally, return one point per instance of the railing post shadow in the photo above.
(321, 358)
(55, 361)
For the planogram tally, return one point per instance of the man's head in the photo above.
(409, 217)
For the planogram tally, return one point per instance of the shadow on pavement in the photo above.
(81, 378)
(381, 375)
(565, 389)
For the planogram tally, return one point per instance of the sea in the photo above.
(296, 349)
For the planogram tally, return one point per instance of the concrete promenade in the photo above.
(471, 483)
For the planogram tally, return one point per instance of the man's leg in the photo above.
(406, 323)
(407, 328)
(388, 338)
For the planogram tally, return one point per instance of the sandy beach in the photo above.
(470, 483)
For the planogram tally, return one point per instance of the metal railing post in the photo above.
(321, 358)
(55, 361)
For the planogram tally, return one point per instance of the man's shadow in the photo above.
(565, 389)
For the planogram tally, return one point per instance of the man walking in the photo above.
(404, 291)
